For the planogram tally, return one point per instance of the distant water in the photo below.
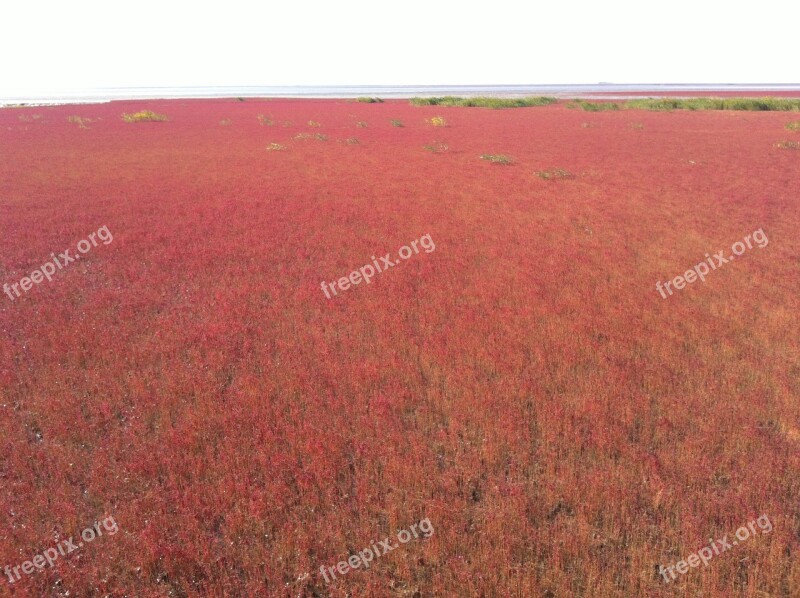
(386, 92)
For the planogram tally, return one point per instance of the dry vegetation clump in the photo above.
(554, 174)
(496, 158)
(143, 116)
(437, 147)
(81, 121)
(305, 136)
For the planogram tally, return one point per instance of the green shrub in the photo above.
(397, 123)
(367, 100)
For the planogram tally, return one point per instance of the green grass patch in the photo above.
(485, 102)
(366, 100)
(397, 123)
(794, 126)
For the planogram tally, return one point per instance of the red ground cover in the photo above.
(524, 386)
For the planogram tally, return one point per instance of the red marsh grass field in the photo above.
(518, 389)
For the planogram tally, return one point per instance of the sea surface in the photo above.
(605, 90)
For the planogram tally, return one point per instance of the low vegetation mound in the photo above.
(753, 104)
(485, 102)
(143, 116)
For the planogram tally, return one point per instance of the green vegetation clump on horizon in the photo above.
(668, 104)
(755, 104)
(484, 102)
(593, 106)
(654, 104)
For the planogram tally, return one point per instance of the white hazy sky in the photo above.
(54, 45)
